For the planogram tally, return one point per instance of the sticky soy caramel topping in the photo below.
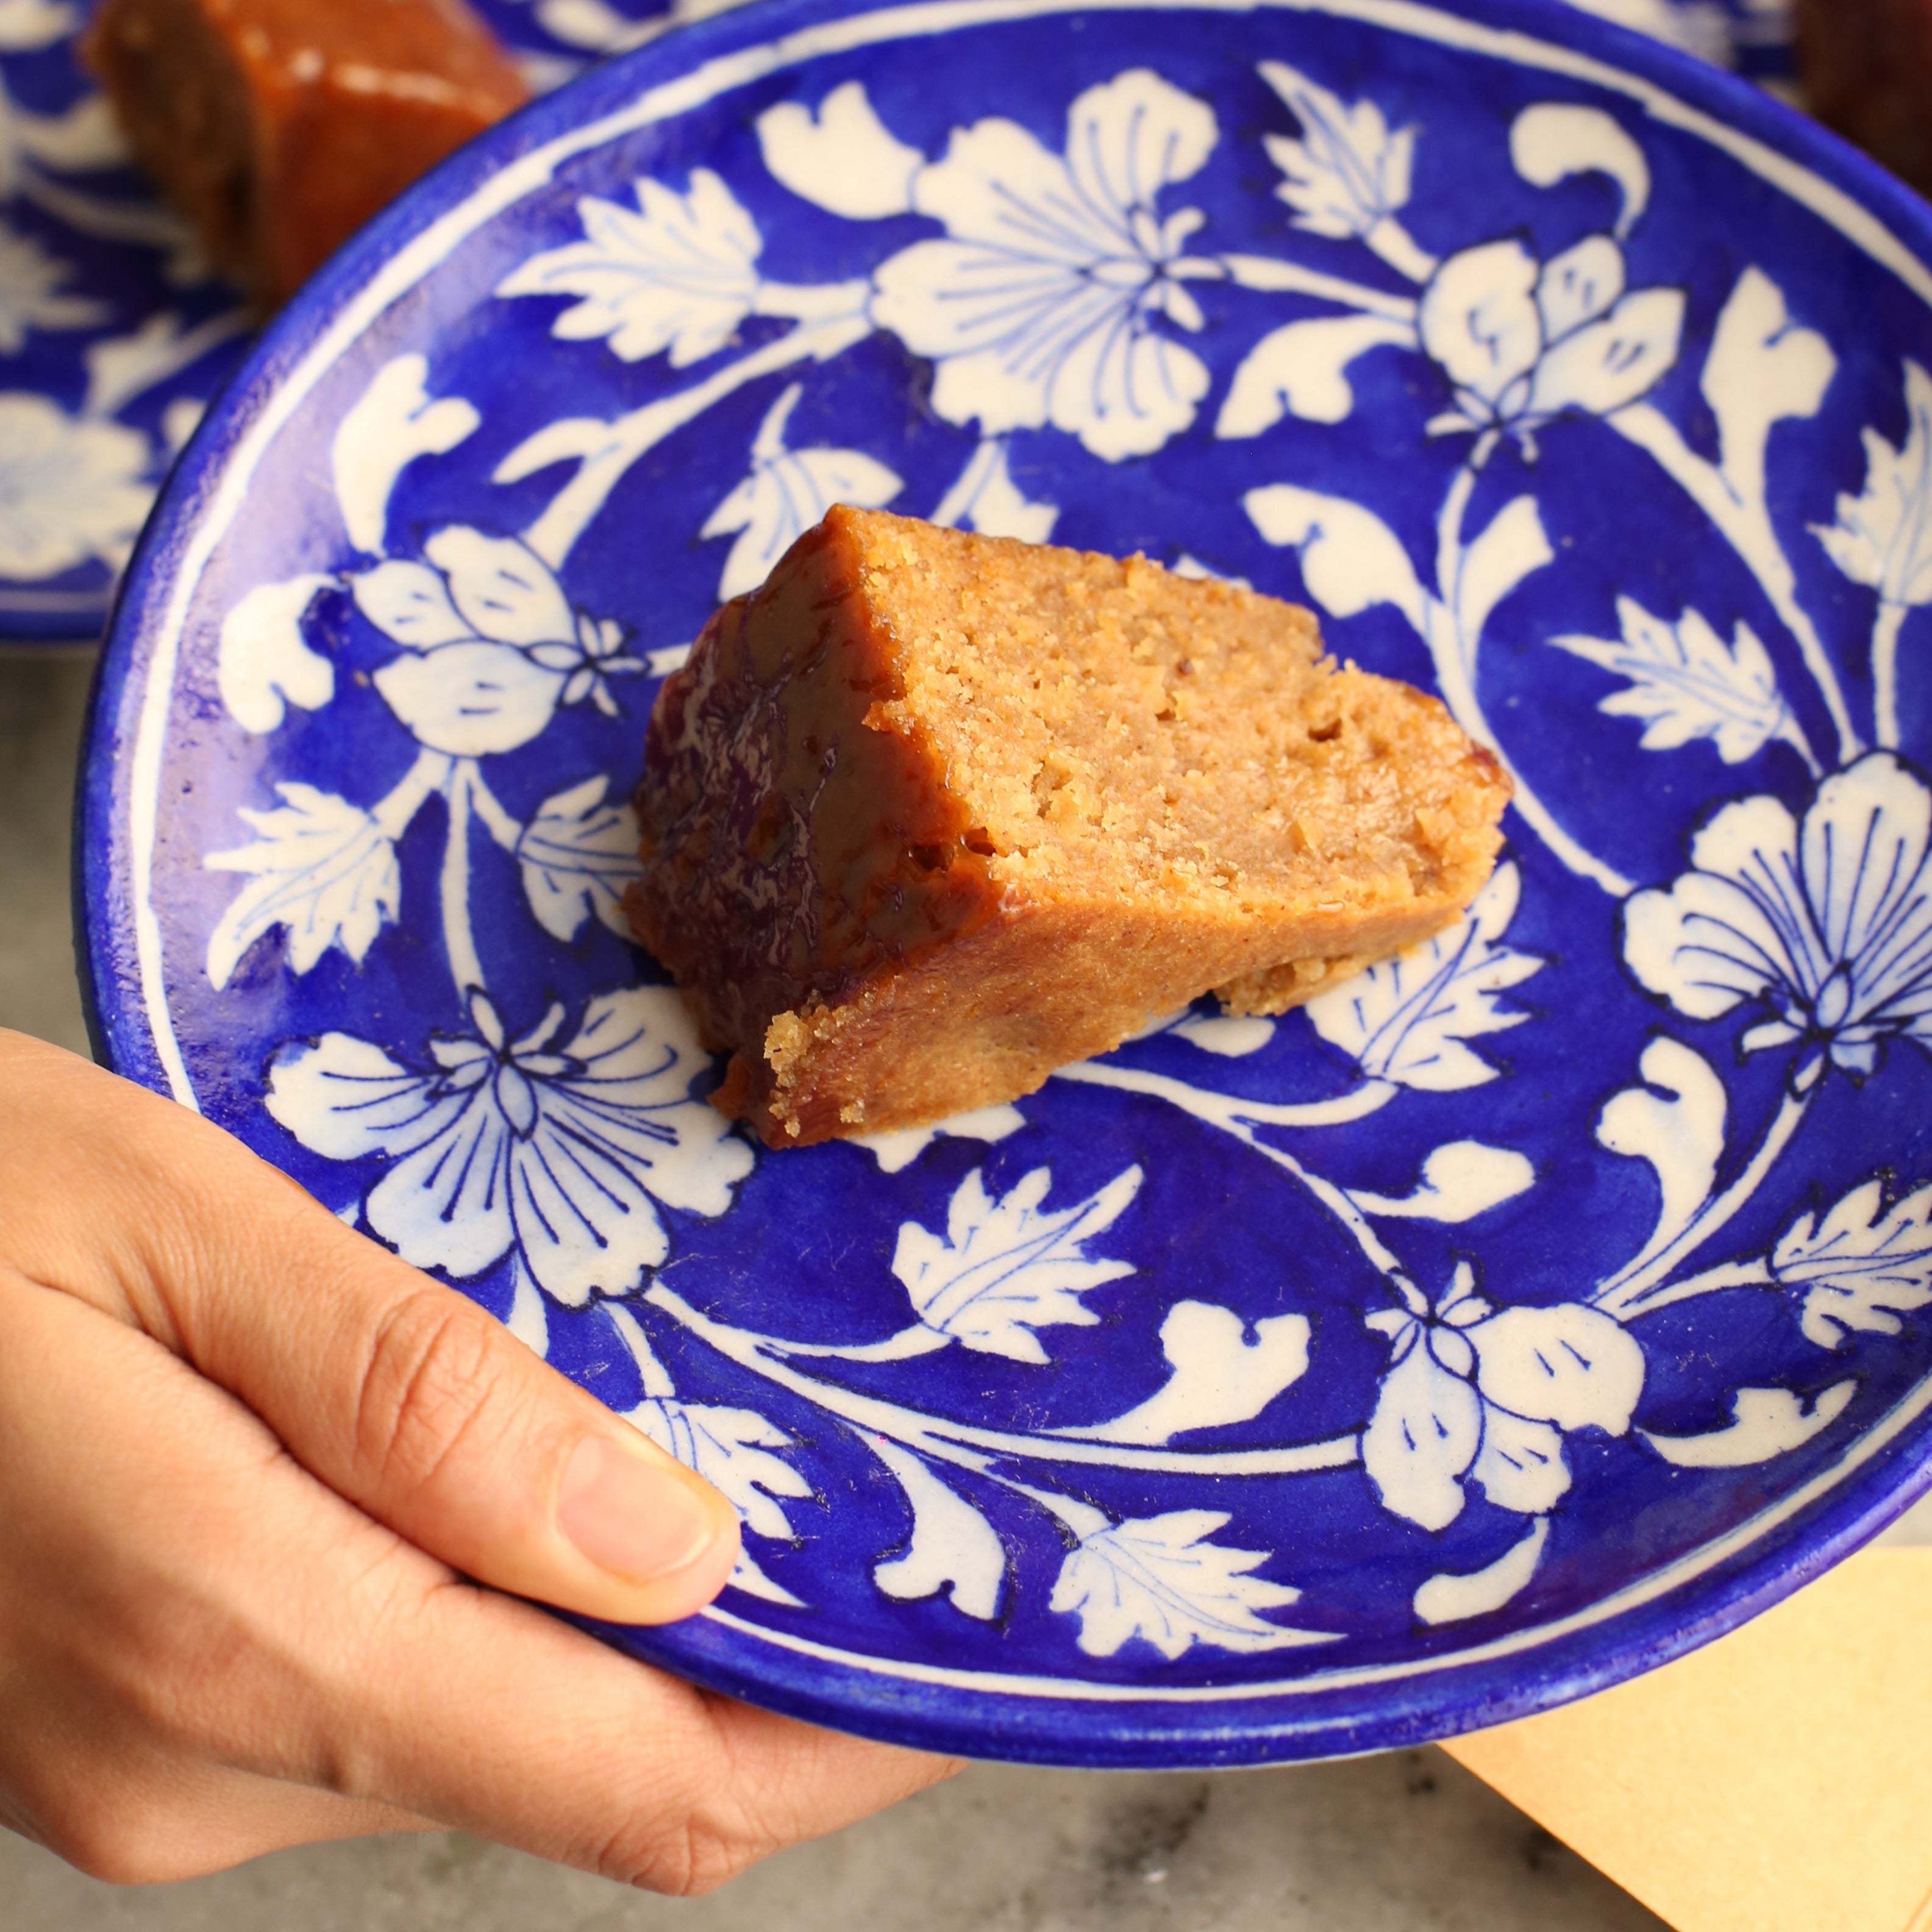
(794, 839)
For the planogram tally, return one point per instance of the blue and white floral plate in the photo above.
(1524, 1312)
(114, 332)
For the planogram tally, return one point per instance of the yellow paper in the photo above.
(1779, 1780)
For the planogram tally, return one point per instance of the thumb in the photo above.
(396, 1392)
(418, 1406)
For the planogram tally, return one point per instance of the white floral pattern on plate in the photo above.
(1043, 306)
(1040, 306)
(69, 490)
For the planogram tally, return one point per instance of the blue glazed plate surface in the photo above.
(1522, 1312)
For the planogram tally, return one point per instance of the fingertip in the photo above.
(664, 1539)
(682, 1593)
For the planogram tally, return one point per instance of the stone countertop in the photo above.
(1405, 1842)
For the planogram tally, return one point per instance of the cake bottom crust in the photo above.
(988, 1018)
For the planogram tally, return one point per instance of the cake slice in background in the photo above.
(279, 127)
(1865, 69)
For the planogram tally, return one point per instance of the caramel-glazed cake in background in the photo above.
(931, 813)
(279, 127)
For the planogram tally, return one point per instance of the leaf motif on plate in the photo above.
(1217, 1372)
(1450, 1597)
(263, 664)
(469, 700)
(1762, 370)
(1674, 1122)
(787, 491)
(746, 1575)
(986, 497)
(953, 1550)
(842, 157)
(577, 855)
(390, 424)
(1554, 142)
(1883, 535)
(1348, 171)
(1514, 545)
(1350, 559)
(1407, 1020)
(1460, 1181)
(1861, 1266)
(731, 1449)
(677, 272)
(79, 139)
(1301, 370)
(1005, 1267)
(1685, 683)
(323, 868)
(1161, 1579)
(1765, 1423)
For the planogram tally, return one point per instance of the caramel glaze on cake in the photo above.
(279, 127)
(930, 814)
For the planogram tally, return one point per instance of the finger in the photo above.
(151, 1694)
(851, 1777)
(617, 1768)
(260, 1623)
(398, 1393)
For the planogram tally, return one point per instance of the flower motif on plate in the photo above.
(1825, 921)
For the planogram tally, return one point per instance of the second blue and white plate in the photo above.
(114, 333)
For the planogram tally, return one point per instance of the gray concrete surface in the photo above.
(1385, 1844)
(1403, 1842)
(43, 699)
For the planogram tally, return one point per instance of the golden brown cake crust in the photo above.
(279, 127)
(932, 814)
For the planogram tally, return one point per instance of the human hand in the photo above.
(249, 1461)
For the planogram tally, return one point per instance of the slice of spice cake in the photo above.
(932, 814)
